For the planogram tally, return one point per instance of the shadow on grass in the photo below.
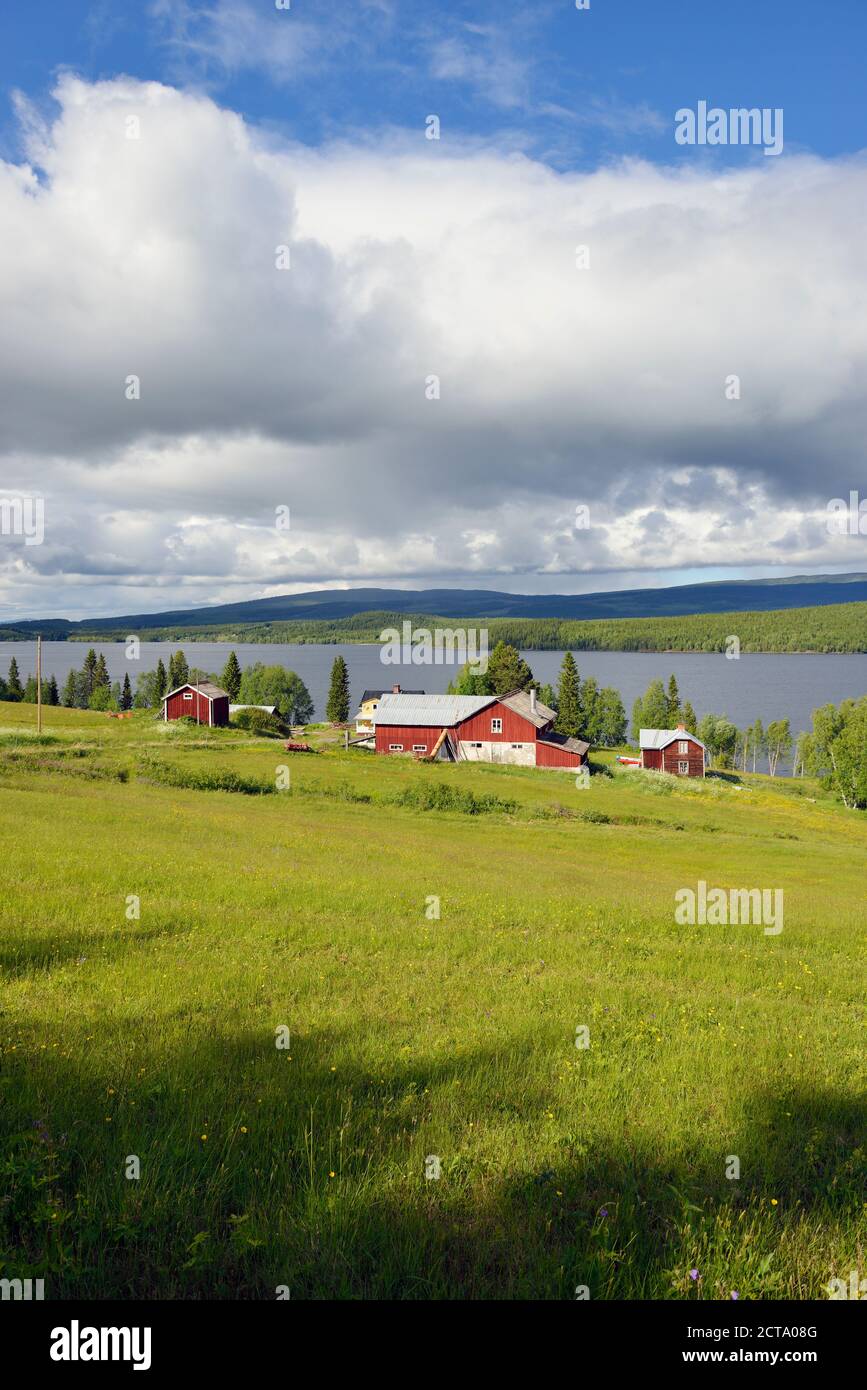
(26, 954)
(259, 1171)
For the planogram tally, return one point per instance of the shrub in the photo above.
(439, 796)
(259, 721)
(205, 780)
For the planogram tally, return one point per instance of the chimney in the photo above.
(533, 700)
(395, 690)
(682, 726)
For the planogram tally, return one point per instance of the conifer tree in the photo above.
(568, 719)
(507, 670)
(16, 689)
(337, 709)
(179, 671)
(53, 693)
(673, 702)
(69, 691)
(688, 718)
(231, 677)
(126, 693)
(89, 670)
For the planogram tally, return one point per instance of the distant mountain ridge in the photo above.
(717, 597)
(720, 596)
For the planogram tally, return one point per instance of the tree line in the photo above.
(729, 747)
(583, 710)
(91, 686)
(838, 627)
(836, 750)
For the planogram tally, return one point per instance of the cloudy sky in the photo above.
(502, 358)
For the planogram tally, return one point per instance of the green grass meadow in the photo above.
(413, 1037)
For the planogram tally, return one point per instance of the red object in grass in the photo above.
(297, 747)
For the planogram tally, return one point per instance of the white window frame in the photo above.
(419, 748)
(188, 694)
(683, 768)
(683, 745)
(476, 745)
(395, 748)
(496, 726)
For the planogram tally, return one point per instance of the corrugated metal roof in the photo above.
(443, 711)
(575, 745)
(207, 688)
(519, 701)
(661, 738)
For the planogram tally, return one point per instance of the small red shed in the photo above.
(204, 702)
(673, 750)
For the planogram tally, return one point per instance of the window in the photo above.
(517, 745)
(188, 694)
(475, 745)
(395, 748)
(496, 726)
(683, 768)
(683, 746)
(419, 748)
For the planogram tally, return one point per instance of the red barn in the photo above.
(204, 702)
(515, 728)
(673, 750)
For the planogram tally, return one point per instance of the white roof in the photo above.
(661, 738)
(269, 709)
(437, 710)
(206, 688)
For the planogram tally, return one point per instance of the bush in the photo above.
(206, 780)
(259, 721)
(439, 796)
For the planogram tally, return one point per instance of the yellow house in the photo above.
(369, 703)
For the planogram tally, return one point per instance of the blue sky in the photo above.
(582, 289)
(575, 87)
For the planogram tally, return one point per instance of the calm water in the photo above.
(767, 687)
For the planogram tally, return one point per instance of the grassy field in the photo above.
(416, 1037)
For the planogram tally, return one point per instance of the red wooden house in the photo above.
(673, 750)
(204, 702)
(515, 728)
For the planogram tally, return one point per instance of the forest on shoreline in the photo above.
(833, 628)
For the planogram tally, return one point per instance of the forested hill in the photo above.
(328, 605)
(834, 628)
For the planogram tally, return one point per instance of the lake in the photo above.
(756, 686)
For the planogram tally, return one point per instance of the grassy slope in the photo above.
(413, 1037)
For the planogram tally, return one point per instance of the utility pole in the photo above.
(39, 685)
